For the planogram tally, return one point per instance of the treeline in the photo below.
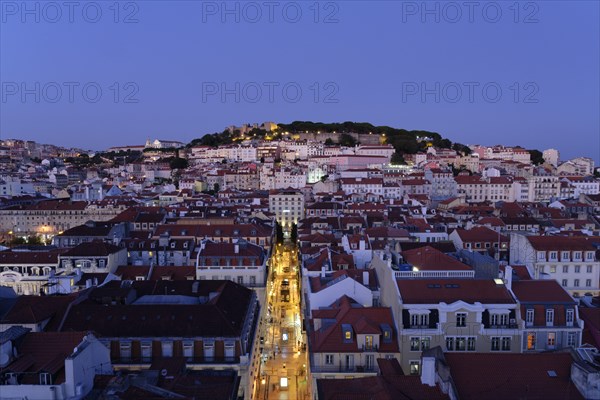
(403, 141)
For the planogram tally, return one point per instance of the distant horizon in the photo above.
(186, 141)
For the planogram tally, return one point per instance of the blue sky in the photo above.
(98, 75)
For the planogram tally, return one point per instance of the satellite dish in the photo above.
(163, 372)
(4, 359)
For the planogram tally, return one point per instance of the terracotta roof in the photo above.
(173, 273)
(223, 315)
(35, 309)
(434, 291)
(591, 330)
(430, 259)
(545, 291)
(549, 243)
(510, 376)
(330, 337)
(92, 249)
(30, 257)
(131, 272)
(47, 350)
(480, 234)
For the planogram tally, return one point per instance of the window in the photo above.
(551, 339)
(328, 359)
(450, 343)
(209, 351)
(499, 319)
(565, 282)
(576, 283)
(167, 349)
(419, 320)
(240, 280)
(565, 256)
(577, 269)
(125, 350)
(369, 342)
(471, 344)
(529, 316)
(553, 269)
(565, 269)
(419, 343)
(506, 343)
(415, 367)
(45, 378)
(146, 348)
(553, 255)
(589, 269)
(461, 319)
(571, 339)
(531, 341)
(549, 317)
(570, 315)
(252, 280)
(188, 350)
(461, 344)
(229, 350)
(495, 343)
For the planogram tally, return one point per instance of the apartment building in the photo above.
(288, 207)
(569, 260)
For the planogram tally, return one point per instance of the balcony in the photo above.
(373, 348)
(372, 369)
(189, 360)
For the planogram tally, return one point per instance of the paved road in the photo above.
(284, 358)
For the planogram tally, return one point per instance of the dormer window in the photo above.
(386, 333)
(550, 317)
(529, 316)
(347, 333)
(173, 245)
(570, 317)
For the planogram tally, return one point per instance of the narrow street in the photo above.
(284, 357)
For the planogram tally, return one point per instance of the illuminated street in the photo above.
(284, 362)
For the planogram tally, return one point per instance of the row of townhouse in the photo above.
(55, 216)
(139, 326)
(462, 314)
(571, 261)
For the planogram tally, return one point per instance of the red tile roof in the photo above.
(558, 243)
(330, 338)
(545, 291)
(512, 376)
(378, 388)
(480, 234)
(434, 291)
(429, 259)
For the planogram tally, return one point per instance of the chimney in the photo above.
(428, 371)
(366, 278)
(236, 248)
(508, 273)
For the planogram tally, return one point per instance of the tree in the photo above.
(324, 178)
(329, 142)
(294, 234)
(347, 140)
(537, 157)
(178, 163)
(397, 159)
(278, 233)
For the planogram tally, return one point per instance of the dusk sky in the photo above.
(498, 73)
